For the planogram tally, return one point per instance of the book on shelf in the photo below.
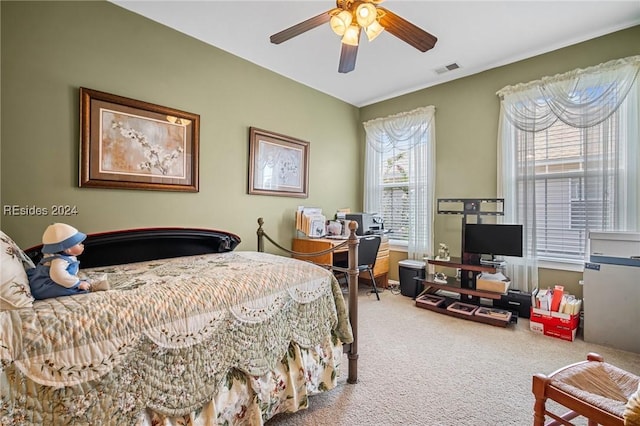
(432, 299)
(496, 313)
(462, 308)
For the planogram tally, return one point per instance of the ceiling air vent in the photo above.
(447, 68)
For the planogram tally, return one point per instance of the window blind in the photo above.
(574, 182)
(395, 204)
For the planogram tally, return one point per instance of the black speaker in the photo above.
(515, 301)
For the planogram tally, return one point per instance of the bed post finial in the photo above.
(260, 233)
(353, 227)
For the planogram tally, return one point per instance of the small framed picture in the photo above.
(493, 313)
(462, 308)
(278, 164)
(432, 299)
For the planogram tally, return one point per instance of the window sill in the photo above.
(561, 265)
(398, 246)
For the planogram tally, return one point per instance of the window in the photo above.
(570, 157)
(571, 197)
(394, 206)
(399, 177)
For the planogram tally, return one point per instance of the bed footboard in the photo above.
(352, 278)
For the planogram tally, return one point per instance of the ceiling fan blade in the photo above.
(406, 31)
(300, 28)
(347, 58)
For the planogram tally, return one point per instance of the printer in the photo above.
(368, 223)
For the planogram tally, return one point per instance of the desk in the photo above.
(311, 245)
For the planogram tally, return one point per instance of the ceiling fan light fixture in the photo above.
(373, 30)
(349, 18)
(351, 35)
(340, 22)
(366, 14)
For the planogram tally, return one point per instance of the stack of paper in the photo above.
(311, 221)
(499, 276)
(572, 306)
(556, 300)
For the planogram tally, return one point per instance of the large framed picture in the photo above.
(278, 164)
(126, 143)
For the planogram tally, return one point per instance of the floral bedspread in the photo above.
(174, 339)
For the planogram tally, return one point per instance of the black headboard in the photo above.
(138, 245)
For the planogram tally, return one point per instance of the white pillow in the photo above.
(14, 284)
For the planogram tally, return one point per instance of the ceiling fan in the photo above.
(347, 20)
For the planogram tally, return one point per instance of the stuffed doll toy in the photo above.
(57, 273)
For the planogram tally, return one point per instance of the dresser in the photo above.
(311, 245)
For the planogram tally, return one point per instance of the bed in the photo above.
(191, 332)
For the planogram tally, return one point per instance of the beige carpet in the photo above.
(418, 367)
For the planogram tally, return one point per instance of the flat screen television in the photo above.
(492, 239)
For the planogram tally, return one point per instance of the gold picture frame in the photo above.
(131, 144)
(278, 164)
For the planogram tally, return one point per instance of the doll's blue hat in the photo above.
(59, 237)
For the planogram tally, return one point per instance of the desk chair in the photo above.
(367, 254)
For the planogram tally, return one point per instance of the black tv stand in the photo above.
(470, 264)
(465, 288)
(465, 207)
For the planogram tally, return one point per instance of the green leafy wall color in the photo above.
(50, 49)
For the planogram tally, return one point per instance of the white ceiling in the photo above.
(477, 35)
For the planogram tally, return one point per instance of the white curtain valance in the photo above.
(580, 98)
(400, 131)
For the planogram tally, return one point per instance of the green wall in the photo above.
(467, 113)
(50, 49)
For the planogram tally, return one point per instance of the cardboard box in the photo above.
(554, 324)
(493, 285)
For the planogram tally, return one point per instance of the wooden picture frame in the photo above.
(496, 313)
(462, 308)
(278, 164)
(131, 144)
(432, 299)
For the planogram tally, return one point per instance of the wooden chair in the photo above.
(592, 389)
